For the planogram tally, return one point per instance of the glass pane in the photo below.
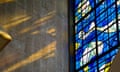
(96, 34)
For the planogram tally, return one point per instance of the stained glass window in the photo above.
(97, 34)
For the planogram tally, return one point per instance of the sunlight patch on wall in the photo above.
(6, 1)
(34, 57)
(38, 22)
(51, 31)
(35, 32)
(15, 23)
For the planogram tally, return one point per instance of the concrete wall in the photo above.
(40, 38)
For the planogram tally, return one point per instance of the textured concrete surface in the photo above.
(39, 31)
(115, 67)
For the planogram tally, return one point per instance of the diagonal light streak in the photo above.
(15, 23)
(34, 57)
(39, 22)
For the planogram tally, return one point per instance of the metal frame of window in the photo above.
(71, 34)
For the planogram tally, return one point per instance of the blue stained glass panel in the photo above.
(98, 1)
(113, 41)
(111, 9)
(101, 8)
(101, 17)
(109, 2)
(96, 33)
(78, 27)
(103, 36)
(106, 47)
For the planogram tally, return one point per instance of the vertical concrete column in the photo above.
(62, 36)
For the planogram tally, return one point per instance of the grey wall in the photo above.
(39, 31)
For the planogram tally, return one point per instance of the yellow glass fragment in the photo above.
(86, 69)
(77, 45)
(107, 69)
